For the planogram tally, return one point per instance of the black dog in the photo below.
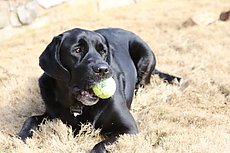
(77, 60)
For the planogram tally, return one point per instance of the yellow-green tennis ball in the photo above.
(105, 88)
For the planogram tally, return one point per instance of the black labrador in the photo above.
(77, 60)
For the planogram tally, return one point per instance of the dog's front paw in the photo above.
(99, 148)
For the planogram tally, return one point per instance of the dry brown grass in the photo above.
(196, 119)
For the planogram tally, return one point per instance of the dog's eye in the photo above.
(77, 49)
(101, 49)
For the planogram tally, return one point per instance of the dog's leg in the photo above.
(116, 120)
(31, 124)
(144, 60)
(100, 147)
(167, 77)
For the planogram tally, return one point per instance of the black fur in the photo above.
(77, 60)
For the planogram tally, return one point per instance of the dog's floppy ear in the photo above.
(50, 62)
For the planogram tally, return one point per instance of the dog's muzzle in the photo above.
(85, 96)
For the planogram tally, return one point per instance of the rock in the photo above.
(3, 18)
(224, 16)
(14, 20)
(204, 18)
(201, 19)
(49, 3)
(4, 14)
(27, 13)
(188, 23)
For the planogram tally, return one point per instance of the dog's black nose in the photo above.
(101, 68)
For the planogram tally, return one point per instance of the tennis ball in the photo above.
(105, 89)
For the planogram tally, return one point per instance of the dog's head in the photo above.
(80, 58)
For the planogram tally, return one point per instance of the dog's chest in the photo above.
(89, 114)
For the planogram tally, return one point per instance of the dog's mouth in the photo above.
(85, 96)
